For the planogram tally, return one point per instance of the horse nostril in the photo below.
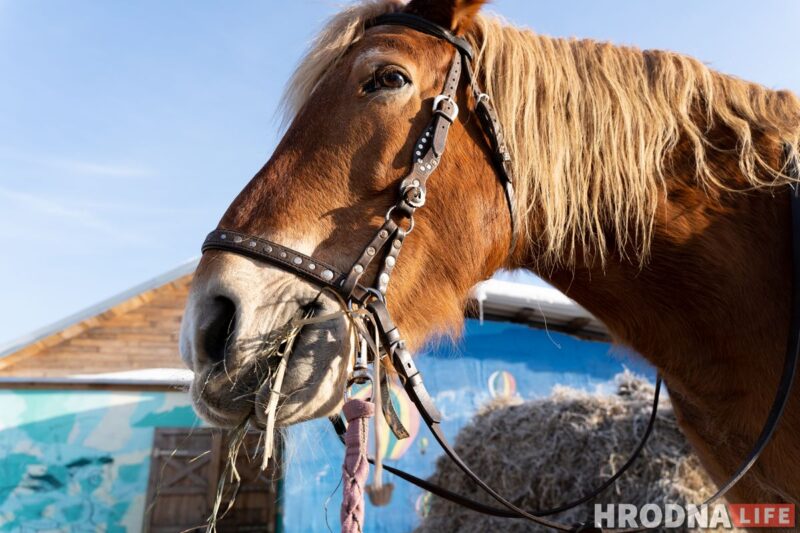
(220, 329)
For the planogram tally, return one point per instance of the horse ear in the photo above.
(455, 15)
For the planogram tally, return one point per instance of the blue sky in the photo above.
(126, 128)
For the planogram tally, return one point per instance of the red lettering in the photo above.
(762, 514)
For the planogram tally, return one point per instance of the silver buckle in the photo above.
(446, 98)
(360, 374)
(414, 195)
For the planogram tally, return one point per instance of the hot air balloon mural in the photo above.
(422, 444)
(502, 384)
(393, 448)
(423, 504)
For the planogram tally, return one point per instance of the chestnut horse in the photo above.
(650, 189)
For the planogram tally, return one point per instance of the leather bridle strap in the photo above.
(487, 116)
(422, 25)
(501, 157)
(271, 252)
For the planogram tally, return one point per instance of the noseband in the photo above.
(387, 243)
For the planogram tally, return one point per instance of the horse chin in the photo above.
(215, 402)
(218, 417)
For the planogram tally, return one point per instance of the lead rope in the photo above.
(356, 467)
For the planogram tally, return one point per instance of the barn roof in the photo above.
(132, 338)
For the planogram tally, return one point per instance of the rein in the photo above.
(370, 300)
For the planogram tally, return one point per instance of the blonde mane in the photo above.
(591, 126)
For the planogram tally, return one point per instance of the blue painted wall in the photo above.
(462, 378)
(78, 461)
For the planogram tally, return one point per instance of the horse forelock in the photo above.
(596, 131)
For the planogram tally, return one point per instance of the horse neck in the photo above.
(710, 309)
(710, 306)
(707, 296)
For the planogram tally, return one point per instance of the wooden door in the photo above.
(185, 469)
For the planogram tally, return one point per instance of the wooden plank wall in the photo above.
(137, 334)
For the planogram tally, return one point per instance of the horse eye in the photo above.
(392, 79)
(386, 79)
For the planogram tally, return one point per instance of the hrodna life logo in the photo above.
(739, 515)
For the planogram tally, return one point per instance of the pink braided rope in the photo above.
(355, 468)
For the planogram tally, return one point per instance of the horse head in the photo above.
(363, 96)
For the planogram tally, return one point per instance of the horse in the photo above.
(650, 189)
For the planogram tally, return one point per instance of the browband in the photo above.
(422, 25)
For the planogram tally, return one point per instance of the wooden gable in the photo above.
(138, 333)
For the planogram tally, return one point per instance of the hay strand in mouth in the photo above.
(237, 436)
(275, 388)
(281, 346)
(278, 344)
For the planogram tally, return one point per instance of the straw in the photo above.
(275, 391)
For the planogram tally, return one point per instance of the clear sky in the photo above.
(126, 128)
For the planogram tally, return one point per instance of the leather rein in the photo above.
(387, 244)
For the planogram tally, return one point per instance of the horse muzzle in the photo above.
(235, 315)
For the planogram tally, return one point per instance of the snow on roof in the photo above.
(536, 306)
(174, 378)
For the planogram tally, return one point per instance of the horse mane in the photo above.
(593, 155)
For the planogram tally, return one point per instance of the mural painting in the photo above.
(78, 461)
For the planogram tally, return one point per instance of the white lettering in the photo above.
(743, 520)
(674, 515)
(604, 518)
(627, 515)
(648, 509)
(719, 517)
(697, 517)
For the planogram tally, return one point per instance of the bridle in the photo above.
(387, 244)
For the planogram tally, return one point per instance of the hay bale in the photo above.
(543, 453)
